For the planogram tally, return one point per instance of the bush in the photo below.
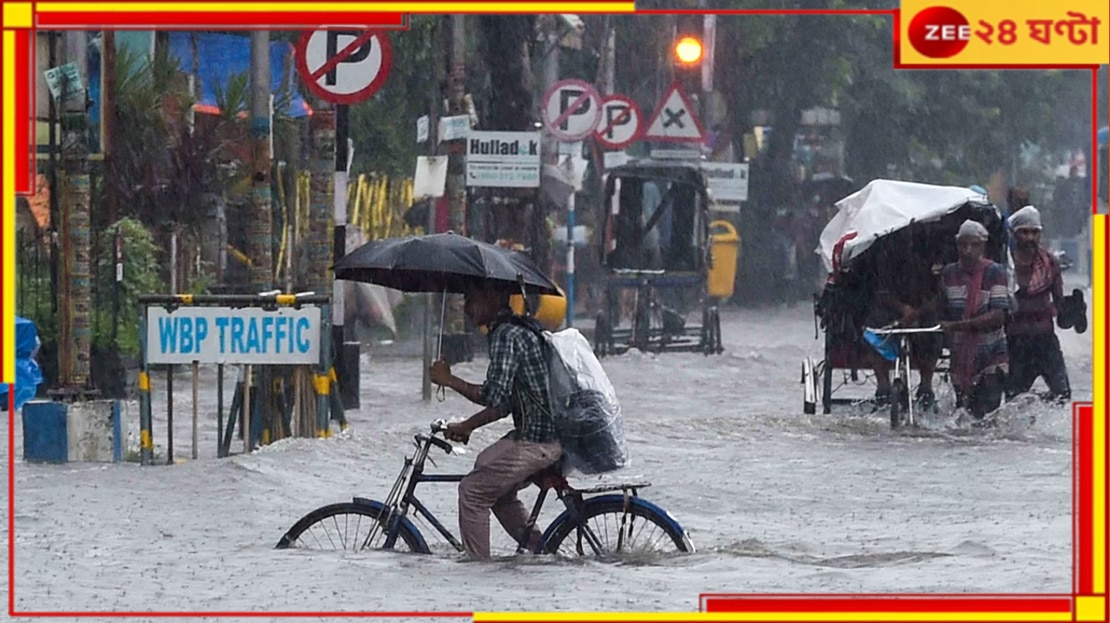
(140, 276)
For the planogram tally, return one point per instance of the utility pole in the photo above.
(74, 336)
(455, 339)
(260, 237)
(430, 227)
(260, 230)
(346, 355)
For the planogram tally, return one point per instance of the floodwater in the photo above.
(774, 500)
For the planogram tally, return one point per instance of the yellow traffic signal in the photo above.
(688, 50)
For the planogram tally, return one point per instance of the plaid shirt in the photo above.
(517, 380)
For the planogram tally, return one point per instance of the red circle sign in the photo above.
(621, 122)
(344, 65)
(939, 32)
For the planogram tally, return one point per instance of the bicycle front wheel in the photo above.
(351, 526)
(640, 528)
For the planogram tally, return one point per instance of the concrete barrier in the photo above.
(56, 432)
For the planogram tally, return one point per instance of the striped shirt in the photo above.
(517, 380)
(990, 352)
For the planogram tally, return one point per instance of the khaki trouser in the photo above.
(499, 472)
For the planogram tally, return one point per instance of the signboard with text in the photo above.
(503, 159)
(227, 335)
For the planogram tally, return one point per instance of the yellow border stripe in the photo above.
(480, 617)
(1098, 334)
(1090, 608)
(18, 15)
(313, 8)
(7, 315)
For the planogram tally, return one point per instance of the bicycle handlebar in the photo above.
(895, 330)
(437, 426)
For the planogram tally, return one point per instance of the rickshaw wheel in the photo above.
(898, 396)
(712, 333)
(602, 336)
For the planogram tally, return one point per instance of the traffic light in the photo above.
(687, 52)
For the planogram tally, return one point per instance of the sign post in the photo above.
(571, 112)
(343, 66)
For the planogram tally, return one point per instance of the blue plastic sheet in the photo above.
(222, 56)
(885, 345)
(28, 375)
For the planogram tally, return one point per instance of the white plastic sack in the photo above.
(586, 412)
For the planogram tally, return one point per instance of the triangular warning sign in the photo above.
(674, 119)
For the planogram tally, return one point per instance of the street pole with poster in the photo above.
(344, 67)
(571, 111)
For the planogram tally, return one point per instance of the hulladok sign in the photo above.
(728, 181)
(503, 159)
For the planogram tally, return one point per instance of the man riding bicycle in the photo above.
(904, 290)
(516, 384)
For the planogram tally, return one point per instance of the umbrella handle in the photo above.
(523, 294)
(442, 315)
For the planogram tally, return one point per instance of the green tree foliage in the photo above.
(384, 126)
(118, 303)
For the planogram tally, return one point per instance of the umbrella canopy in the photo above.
(440, 263)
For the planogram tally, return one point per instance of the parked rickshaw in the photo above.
(657, 257)
(884, 221)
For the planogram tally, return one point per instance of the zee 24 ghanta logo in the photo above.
(943, 32)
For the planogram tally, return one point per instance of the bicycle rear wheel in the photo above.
(641, 529)
(349, 526)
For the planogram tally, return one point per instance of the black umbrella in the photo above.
(440, 263)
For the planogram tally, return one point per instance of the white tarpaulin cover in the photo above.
(885, 206)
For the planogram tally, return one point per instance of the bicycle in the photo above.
(588, 516)
(900, 385)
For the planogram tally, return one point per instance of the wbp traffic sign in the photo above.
(344, 66)
(620, 122)
(571, 110)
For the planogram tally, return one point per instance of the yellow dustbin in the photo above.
(726, 250)
(550, 310)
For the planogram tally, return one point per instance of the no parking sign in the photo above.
(571, 110)
(620, 122)
(344, 66)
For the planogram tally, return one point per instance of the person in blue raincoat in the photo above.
(28, 375)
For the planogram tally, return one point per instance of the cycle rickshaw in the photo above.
(883, 222)
(656, 256)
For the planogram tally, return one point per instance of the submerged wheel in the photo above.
(809, 387)
(711, 333)
(899, 401)
(644, 529)
(348, 526)
(603, 337)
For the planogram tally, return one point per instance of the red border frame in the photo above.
(1083, 413)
